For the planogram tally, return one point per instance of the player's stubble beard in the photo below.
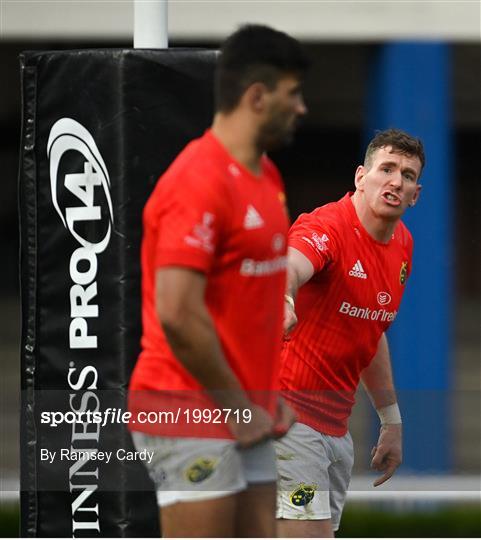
(277, 132)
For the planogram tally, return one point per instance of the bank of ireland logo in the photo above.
(200, 469)
(383, 298)
(68, 135)
(403, 274)
(303, 494)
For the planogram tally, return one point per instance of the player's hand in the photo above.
(387, 454)
(290, 318)
(285, 417)
(257, 430)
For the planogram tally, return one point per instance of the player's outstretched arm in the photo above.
(378, 382)
(191, 334)
(299, 271)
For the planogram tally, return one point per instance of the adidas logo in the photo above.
(358, 271)
(252, 219)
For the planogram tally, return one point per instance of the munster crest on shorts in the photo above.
(200, 469)
(403, 274)
(303, 494)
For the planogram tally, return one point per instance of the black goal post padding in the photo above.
(98, 128)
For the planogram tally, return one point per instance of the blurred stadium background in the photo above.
(363, 53)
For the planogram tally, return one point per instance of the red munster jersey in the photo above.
(211, 214)
(342, 311)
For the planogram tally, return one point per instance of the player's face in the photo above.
(283, 107)
(390, 184)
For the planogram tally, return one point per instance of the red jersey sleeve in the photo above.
(190, 224)
(313, 236)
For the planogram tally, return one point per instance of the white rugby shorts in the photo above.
(314, 474)
(187, 469)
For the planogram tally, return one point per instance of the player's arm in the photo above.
(378, 382)
(191, 334)
(299, 271)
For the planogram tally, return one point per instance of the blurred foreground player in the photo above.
(214, 271)
(348, 263)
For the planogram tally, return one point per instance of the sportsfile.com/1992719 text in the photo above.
(114, 415)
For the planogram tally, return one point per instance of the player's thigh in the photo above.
(257, 504)
(212, 518)
(340, 472)
(303, 481)
(256, 509)
(292, 528)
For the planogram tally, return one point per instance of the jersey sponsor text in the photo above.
(250, 267)
(367, 314)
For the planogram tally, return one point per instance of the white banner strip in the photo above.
(314, 20)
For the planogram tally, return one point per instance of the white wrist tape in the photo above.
(390, 414)
(290, 301)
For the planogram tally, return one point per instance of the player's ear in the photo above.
(415, 198)
(359, 177)
(255, 96)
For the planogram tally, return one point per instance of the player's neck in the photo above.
(237, 134)
(378, 227)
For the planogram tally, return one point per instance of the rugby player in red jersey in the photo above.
(213, 283)
(348, 263)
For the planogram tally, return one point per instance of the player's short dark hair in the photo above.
(401, 142)
(255, 53)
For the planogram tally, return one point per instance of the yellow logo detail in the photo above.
(282, 199)
(200, 469)
(303, 494)
(403, 274)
